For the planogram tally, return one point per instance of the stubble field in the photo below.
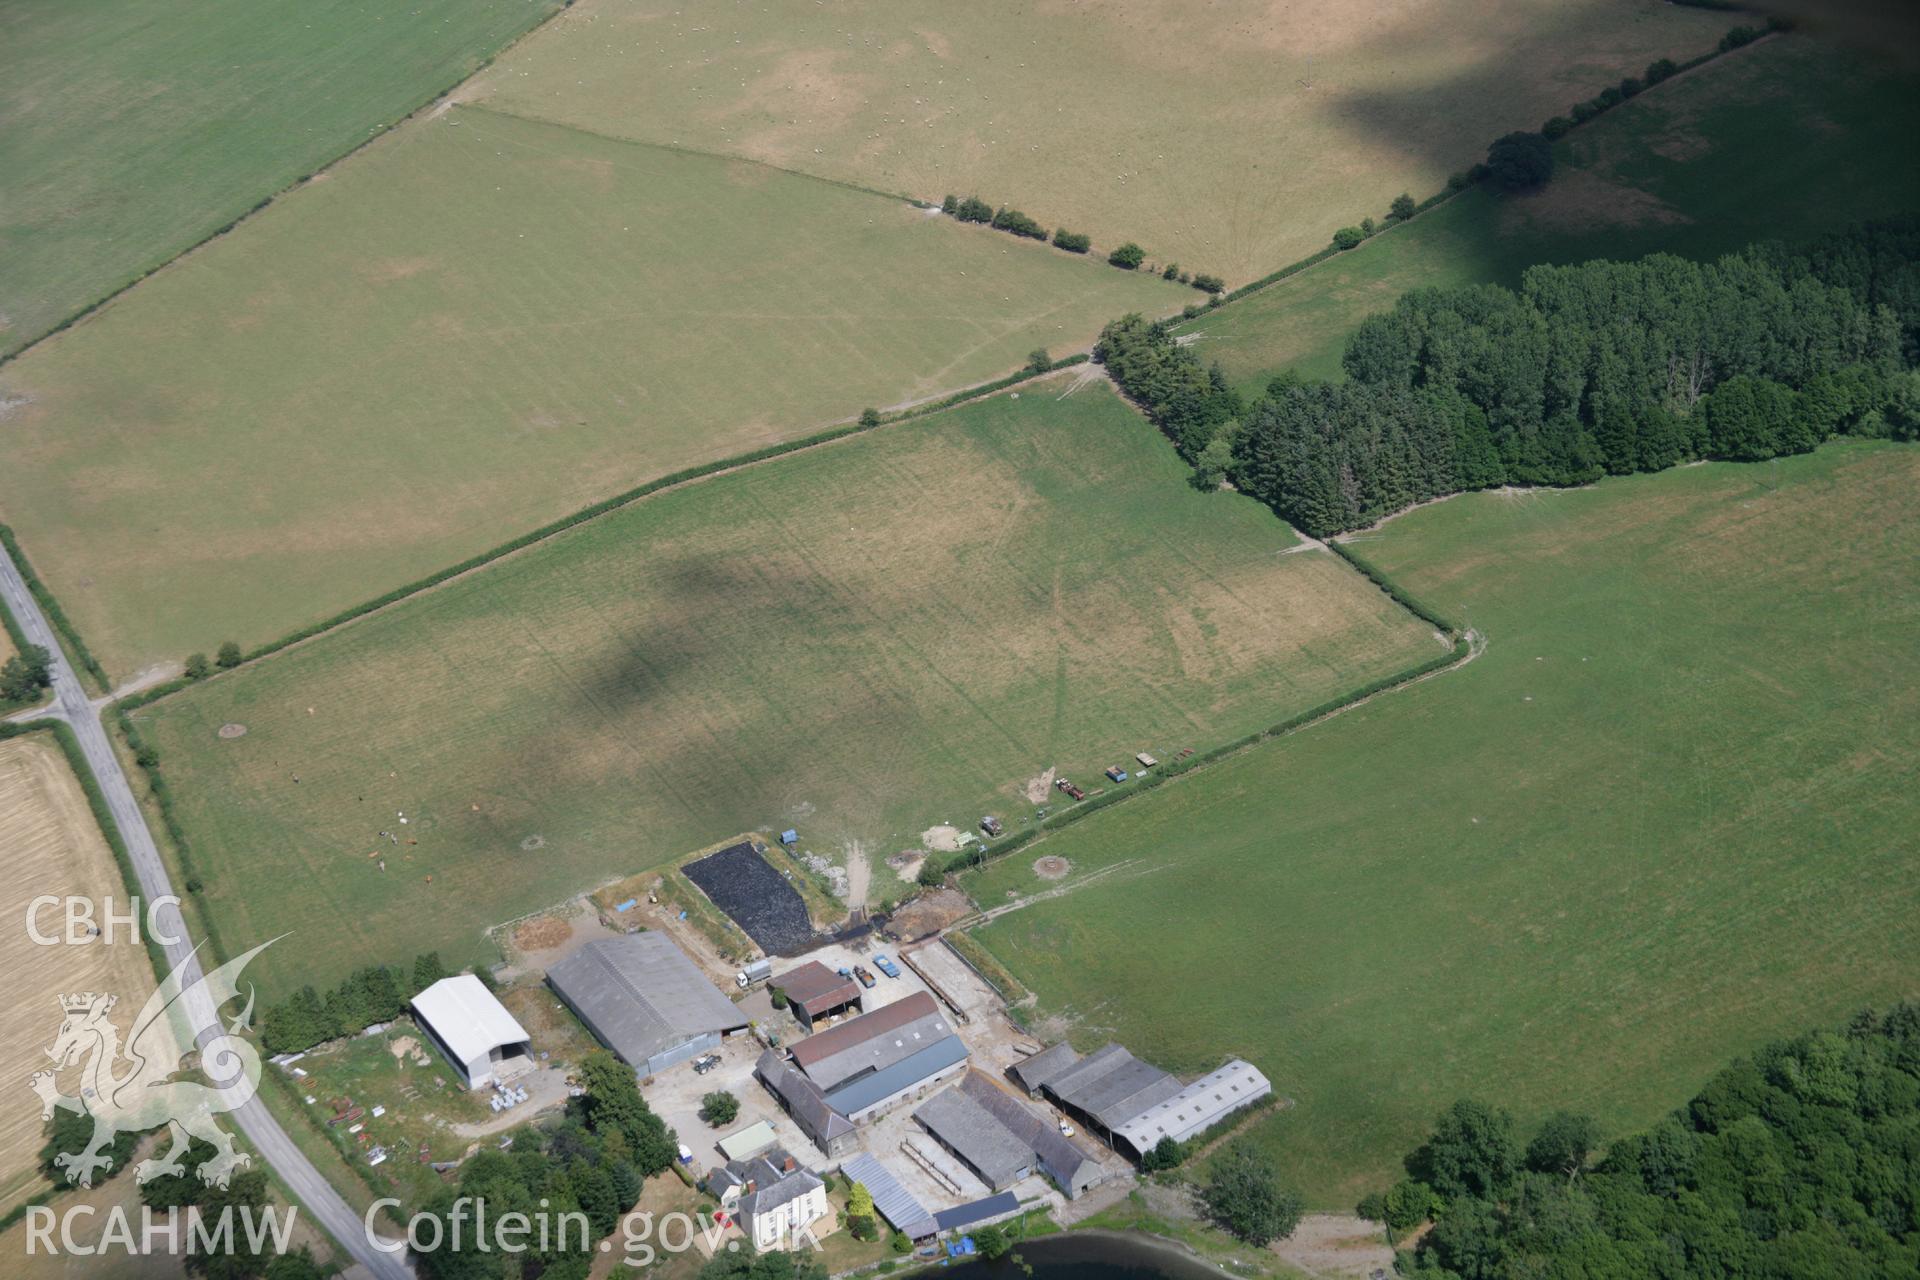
(1231, 137)
(53, 847)
(1665, 817)
(474, 327)
(862, 641)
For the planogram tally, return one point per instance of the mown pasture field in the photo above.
(860, 640)
(1666, 816)
(1231, 137)
(475, 326)
(129, 132)
(53, 847)
(1780, 140)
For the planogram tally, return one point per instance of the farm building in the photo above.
(1002, 1140)
(1033, 1073)
(745, 1144)
(978, 1213)
(877, 1092)
(801, 1098)
(894, 1202)
(1196, 1108)
(472, 1030)
(1110, 1086)
(871, 1042)
(644, 999)
(815, 992)
(773, 1198)
(1134, 1104)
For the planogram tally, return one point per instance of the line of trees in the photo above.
(1598, 368)
(1128, 257)
(1803, 1161)
(376, 993)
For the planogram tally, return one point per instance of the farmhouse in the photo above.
(473, 1030)
(644, 999)
(801, 1098)
(815, 992)
(773, 1198)
(1198, 1107)
(1002, 1140)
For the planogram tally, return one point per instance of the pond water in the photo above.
(1089, 1256)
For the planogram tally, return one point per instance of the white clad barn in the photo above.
(472, 1030)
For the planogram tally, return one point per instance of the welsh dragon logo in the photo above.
(182, 1015)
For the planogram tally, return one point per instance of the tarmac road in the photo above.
(72, 705)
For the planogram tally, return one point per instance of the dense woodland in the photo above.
(1803, 1161)
(1598, 368)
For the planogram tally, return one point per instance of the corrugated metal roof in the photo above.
(1042, 1067)
(857, 1031)
(816, 987)
(1113, 1086)
(895, 1203)
(467, 1018)
(1200, 1105)
(643, 995)
(862, 1093)
(879, 1052)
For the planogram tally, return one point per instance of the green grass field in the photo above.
(1666, 816)
(1783, 139)
(476, 326)
(861, 640)
(130, 131)
(1232, 137)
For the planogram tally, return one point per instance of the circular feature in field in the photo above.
(533, 842)
(1051, 867)
(231, 730)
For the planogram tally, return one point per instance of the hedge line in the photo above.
(147, 758)
(56, 616)
(1400, 595)
(603, 507)
(1175, 768)
(102, 815)
(20, 645)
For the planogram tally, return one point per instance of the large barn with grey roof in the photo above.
(644, 999)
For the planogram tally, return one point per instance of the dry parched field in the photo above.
(861, 640)
(1232, 137)
(474, 327)
(1667, 815)
(52, 846)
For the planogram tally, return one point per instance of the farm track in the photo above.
(72, 705)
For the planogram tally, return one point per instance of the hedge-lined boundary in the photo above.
(102, 816)
(603, 507)
(1455, 188)
(1165, 772)
(379, 131)
(148, 760)
(63, 628)
(1399, 594)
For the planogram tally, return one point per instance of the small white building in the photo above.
(472, 1030)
